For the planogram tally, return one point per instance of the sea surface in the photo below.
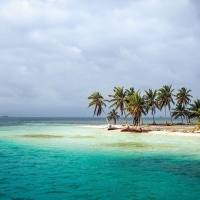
(59, 158)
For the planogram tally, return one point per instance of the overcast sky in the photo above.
(55, 53)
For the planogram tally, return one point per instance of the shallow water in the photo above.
(42, 160)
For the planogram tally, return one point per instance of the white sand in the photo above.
(165, 130)
(196, 134)
(103, 126)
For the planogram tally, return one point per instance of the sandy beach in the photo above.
(177, 130)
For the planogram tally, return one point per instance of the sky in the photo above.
(56, 53)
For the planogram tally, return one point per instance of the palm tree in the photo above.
(151, 102)
(165, 98)
(98, 102)
(183, 98)
(119, 99)
(129, 92)
(112, 115)
(179, 111)
(136, 106)
(194, 108)
(197, 127)
(197, 114)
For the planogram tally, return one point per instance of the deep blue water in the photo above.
(56, 158)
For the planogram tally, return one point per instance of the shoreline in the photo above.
(176, 130)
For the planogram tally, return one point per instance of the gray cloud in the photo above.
(56, 53)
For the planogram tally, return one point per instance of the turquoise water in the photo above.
(60, 159)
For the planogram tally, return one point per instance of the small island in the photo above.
(132, 103)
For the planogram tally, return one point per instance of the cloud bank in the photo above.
(55, 53)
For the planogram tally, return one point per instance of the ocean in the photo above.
(59, 158)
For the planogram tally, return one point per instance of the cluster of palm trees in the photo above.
(131, 102)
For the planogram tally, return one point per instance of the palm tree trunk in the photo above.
(139, 118)
(186, 115)
(187, 120)
(115, 120)
(142, 120)
(182, 119)
(171, 116)
(165, 115)
(154, 120)
(105, 116)
(125, 118)
(153, 117)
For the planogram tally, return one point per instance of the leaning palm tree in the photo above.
(98, 102)
(165, 99)
(151, 102)
(179, 111)
(183, 98)
(197, 115)
(197, 127)
(112, 115)
(136, 106)
(118, 100)
(194, 107)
